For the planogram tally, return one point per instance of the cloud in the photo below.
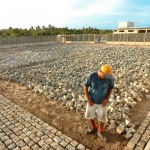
(96, 7)
(86, 12)
(70, 13)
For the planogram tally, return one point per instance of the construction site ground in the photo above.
(68, 122)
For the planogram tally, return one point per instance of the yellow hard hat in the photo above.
(106, 69)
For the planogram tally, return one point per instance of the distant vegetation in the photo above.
(50, 30)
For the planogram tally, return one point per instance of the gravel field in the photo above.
(57, 72)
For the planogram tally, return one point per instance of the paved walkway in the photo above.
(141, 139)
(20, 130)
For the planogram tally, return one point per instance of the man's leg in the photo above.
(90, 116)
(92, 128)
(91, 124)
(100, 126)
(100, 131)
(102, 119)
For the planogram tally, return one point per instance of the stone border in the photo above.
(20, 130)
(141, 139)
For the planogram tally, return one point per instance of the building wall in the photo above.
(130, 39)
(122, 31)
(132, 30)
(126, 24)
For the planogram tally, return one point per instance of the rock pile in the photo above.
(58, 72)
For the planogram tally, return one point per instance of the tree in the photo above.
(50, 30)
(38, 27)
(31, 28)
(49, 26)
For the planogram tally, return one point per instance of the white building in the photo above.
(131, 30)
(125, 24)
(128, 27)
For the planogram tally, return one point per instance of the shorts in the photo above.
(96, 111)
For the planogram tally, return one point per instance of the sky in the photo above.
(100, 14)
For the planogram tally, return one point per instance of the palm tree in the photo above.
(49, 26)
(31, 28)
(43, 27)
(38, 27)
(10, 30)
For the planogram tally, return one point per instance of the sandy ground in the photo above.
(69, 122)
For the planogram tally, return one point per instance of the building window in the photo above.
(121, 31)
(130, 30)
(148, 31)
(141, 31)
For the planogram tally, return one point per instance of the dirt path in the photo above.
(69, 122)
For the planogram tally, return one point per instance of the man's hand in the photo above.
(104, 103)
(90, 103)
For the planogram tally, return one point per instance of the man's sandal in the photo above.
(102, 137)
(90, 131)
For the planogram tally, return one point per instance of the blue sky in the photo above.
(101, 14)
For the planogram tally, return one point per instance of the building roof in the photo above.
(133, 28)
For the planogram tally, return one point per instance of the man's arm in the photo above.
(87, 95)
(111, 86)
(109, 94)
(105, 101)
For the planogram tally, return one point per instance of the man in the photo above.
(98, 88)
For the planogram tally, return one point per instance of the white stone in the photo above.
(146, 91)
(126, 109)
(128, 135)
(139, 99)
(125, 116)
(120, 128)
(112, 109)
(112, 124)
(132, 130)
(71, 104)
(115, 116)
(128, 123)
